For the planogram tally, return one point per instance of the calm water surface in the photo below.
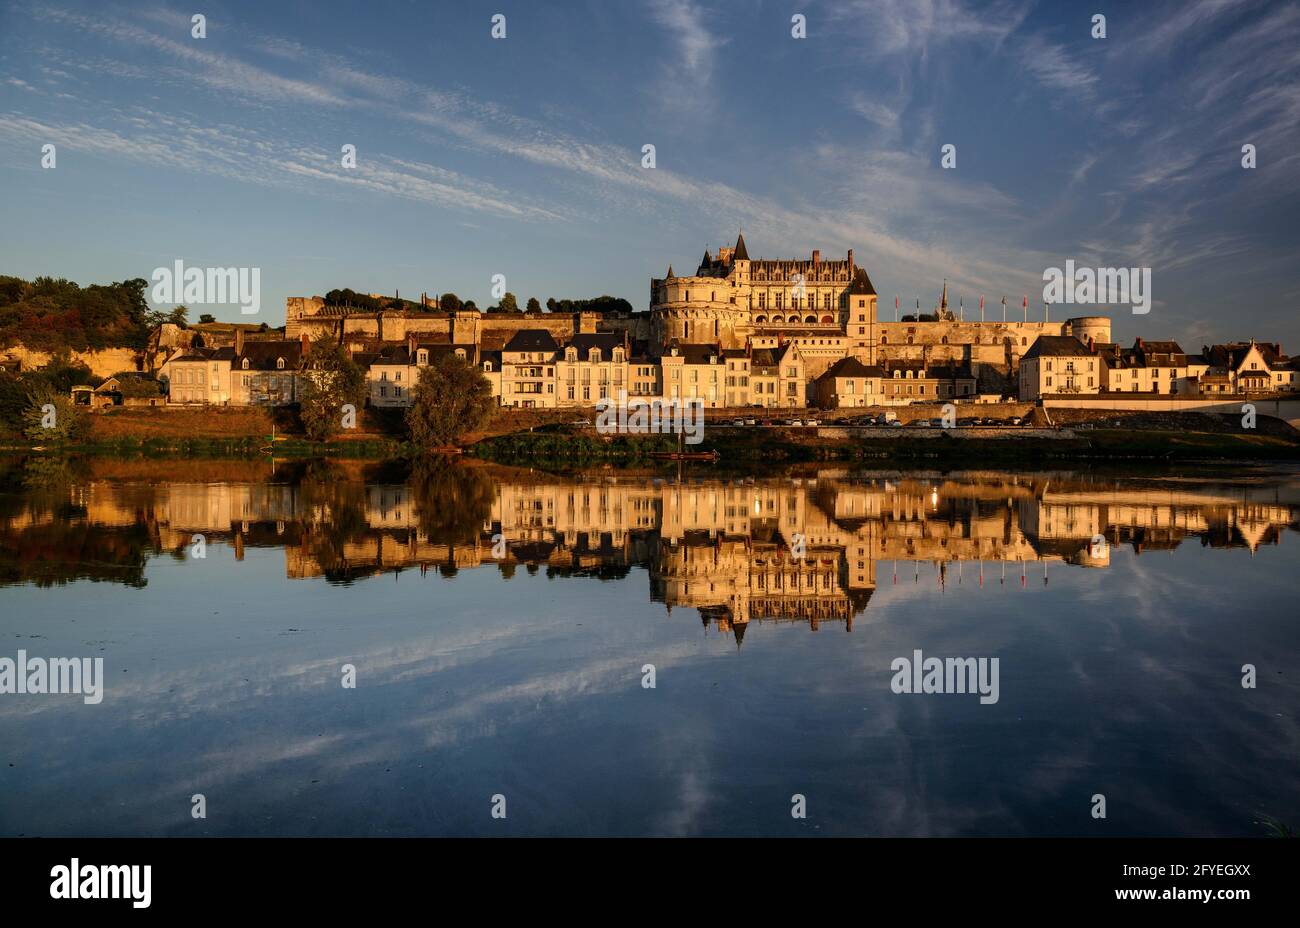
(499, 623)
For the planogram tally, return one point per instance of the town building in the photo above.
(1059, 364)
(849, 383)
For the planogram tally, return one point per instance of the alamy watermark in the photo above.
(208, 286)
(1099, 285)
(920, 674)
(83, 676)
(649, 417)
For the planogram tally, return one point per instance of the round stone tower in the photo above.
(1085, 328)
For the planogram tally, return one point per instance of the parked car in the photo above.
(895, 423)
(751, 422)
(812, 422)
(737, 421)
(795, 422)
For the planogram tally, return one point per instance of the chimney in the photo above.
(850, 262)
(306, 345)
(410, 344)
(817, 257)
(239, 339)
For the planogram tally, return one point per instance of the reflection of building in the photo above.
(738, 551)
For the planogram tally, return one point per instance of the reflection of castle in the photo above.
(727, 548)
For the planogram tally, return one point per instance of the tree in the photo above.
(533, 305)
(450, 399)
(551, 305)
(509, 304)
(51, 418)
(179, 316)
(328, 379)
(449, 302)
(207, 317)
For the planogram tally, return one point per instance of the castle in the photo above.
(828, 308)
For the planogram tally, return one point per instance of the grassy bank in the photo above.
(792, 446)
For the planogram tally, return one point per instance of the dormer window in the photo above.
(594, 355)
(422, 356)
(618, 354)
(570, 354)
(279, 364)
(487, 366)
(245, 364)
(460, 353)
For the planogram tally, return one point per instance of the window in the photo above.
(279, 364)
(245, 363)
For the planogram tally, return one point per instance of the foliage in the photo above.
(601, 304)
(533, 305)
(450, 399)
(449, 302)
(508, 304)
(62, 424)
(329, 378)
(52, 314)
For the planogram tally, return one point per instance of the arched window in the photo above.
(909, 339)
(245, 363)
(944, 340)
(884, 339)
(760, 320)
(810, 320)
(778, 320)
(828, 320)
(279, 364)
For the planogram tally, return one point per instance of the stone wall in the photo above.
(104, 363)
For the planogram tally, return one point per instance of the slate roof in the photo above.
(1056, 346)
(852, 367)
(532, 340)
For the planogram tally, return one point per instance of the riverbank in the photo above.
(1196, 439)
(566, 438)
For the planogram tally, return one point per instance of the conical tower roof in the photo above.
(740, 254)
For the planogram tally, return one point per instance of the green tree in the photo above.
(51, 418)
(207, 317)
(450, 399)
(179, 316)
(533, 305)
(509, 304)
(328, 379)
(551, 305)
(449, 302)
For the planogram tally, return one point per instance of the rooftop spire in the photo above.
(740, 253)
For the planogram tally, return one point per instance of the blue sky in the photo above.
(522, 156)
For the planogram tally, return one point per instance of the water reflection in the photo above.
(810, 548)
(499, 621)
